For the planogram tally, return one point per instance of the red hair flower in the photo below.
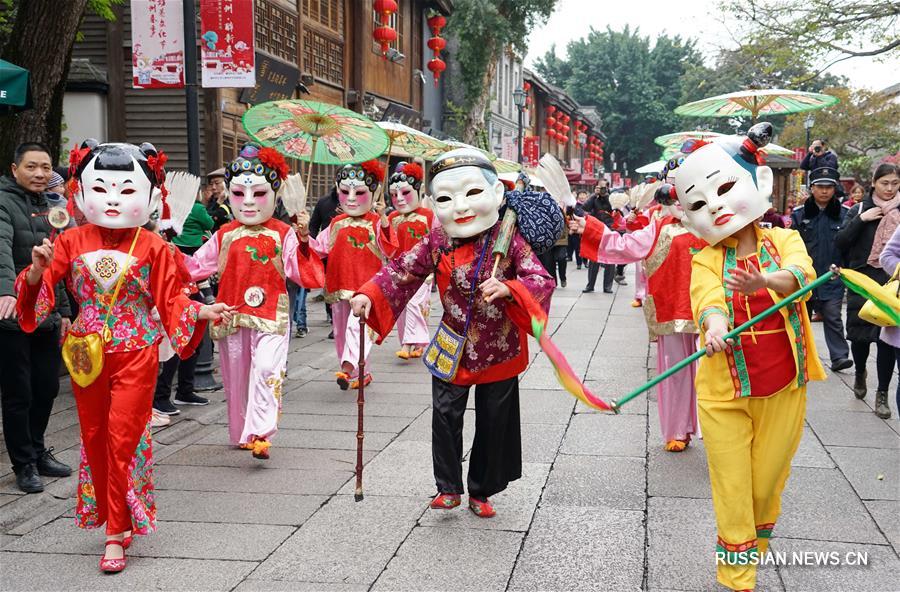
(374, 168)
(157, 164)
(275, 161)
(414, 170)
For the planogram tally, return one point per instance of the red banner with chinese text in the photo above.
(226, 44)
(531, 150)
(157, 43)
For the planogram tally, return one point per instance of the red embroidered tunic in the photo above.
(90, 259)
(253, 262)
(407, 230)
(354, 255)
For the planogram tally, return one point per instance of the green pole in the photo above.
(730, 335)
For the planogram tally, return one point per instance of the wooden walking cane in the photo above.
(360, 404)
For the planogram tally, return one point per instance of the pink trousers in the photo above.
(640, 281)
(412, 325)
(346, 337)
(253, 371)
(677, 397)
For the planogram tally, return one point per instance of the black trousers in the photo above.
(575, 248)
(884, 360)
(29, 382)
(609, 272)
(496, 457)
(184, 368)
(554, 259)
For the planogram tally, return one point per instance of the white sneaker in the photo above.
(157, 420)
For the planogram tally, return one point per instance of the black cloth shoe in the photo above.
(302, 332)
(48, 466)
(331, 334)
(166, 408)
(27, 479)
(859, 384)
(191, 399)
(620, 279)
(586, 290)
(838, 365)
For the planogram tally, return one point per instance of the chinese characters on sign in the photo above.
(226, 43)
(157, 44)
(531, 150)
(275, 80)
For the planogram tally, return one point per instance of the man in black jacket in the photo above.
(29, 363)
(599, 207)
(818, 222)
(325, 210)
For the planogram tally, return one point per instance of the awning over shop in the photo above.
(14, 90)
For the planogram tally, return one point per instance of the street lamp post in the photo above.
(808, 123)
(519, 101)
(582, 140)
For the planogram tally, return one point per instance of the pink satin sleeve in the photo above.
(625, 248)
(204, 262)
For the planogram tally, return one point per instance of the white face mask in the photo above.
(354, 197)
(117, 199)
(405, 197)
(464, 202)
(251, 198)
(718, 195)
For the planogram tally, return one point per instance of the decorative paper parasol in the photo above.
(453, 145)
(507, 166)
(753, 103)
(675, 140)
(408, 142)
(652, 167)
(315, 132)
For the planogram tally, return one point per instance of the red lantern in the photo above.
(551, 110)
(436, 65)
(385, 36)
(551, 121)
(436, 22)
(437, 44)
(526, 86)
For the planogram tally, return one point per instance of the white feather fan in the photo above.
(555, 182)
(182, 187)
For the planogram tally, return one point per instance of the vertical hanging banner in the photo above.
(157, 44)
(226, 43)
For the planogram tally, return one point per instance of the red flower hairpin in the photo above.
(157, 164)
(414, 170)
(374, 168)
(274, 160)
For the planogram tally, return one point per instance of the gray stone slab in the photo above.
(811, 453)
(197, 540)
(595, 481)
(581, 549)
(880, 574)
(52, 572)
(545, 406)
(345, 541)
(280, 586)
(835, 395)
(678, 474)
(6, 498)
(873, 473)
(261, 480)
(297, 458)
(540, 442)
(681, 552)
(314, 439)
(844, 428)
(402, 469)
(819, 504)
(606, 435)
(417, 565)
(515, 506)
(349, 408)
(236, 508)
(887, 517)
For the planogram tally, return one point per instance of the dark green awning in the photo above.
(13, 85)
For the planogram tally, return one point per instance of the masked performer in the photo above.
(665, 248)
(479, 341)
(410, 222)
(353, 243)
(117, 272)
(751, 390)
(253, 255)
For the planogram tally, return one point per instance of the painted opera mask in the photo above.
(465, 192)
(253, 180)
(356, 186)
(117, 185)
(405, 185)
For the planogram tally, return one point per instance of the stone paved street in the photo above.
(600, 505)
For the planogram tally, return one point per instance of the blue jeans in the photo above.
(299, 315)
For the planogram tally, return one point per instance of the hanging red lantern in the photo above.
(384, 34)
(436, 65)
(436, 22)
(551, 110)
(437, 44)
(551, 121)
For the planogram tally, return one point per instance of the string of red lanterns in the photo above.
(436, 21)
(384, 34)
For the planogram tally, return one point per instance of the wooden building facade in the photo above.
(326, 45)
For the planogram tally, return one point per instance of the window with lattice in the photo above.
(394, 22)
(328, 13)
(276, 30)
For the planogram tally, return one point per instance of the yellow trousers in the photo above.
(749, 446)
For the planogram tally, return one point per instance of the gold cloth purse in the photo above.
(871, 313)
(83, 354)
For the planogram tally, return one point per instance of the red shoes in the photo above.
(445, 501)
(481, 508)
(677, 445)
(113, 565)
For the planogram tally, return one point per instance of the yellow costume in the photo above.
(752, 398)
